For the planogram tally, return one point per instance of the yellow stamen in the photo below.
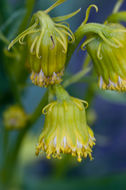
(79, 100)
(66, 28)
(118, 42)
(107, 41)
(62, 37)
(88, 12)
(39, 43)
(86, 42)
(57, 3)
(99, 51)
(66, 17)
(33, 45)
(23, 34)
(46, 108)
(67, 33)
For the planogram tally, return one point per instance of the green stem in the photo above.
(9, 164)
(13, 83)
(87, 60)
(5, 145)
(51, 94)
(90, 93)
(75, 78)
(29, 8)
(61, 93)
(4, 39)
(37, 113)
(117, 6)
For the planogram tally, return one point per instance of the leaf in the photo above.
(15, 16)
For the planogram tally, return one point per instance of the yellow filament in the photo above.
(68, 34)
(66, 28)
(47, 108)
(78, 104)
(51, 106)
(107, 41)
(33, 45)
(86, 42)
(57, 3)
(119, 30)
(38, 44)
(84, 102)
(88, 12)
(21, 40)
(118, 42)
(99, 51)
(23, 34)
(66, 17)
(63, 41)
(65, 106)
(67, 24)
(79, 100)
(22, 37)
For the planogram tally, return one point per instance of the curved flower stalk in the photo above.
(65, 129)
(47, 43)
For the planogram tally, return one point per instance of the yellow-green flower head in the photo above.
(108, 52)
(14, 118)
(47, 43)
(66, 130)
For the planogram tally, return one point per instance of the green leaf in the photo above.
(14, 17)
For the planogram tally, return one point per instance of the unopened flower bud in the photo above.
(14, 118)
(47, 43)
(65, 130)
(108, 52)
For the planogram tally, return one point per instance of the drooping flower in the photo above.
(47, 43)
(66, 130)
(15, 118)
(108, 53)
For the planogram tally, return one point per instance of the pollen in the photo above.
(41, 80)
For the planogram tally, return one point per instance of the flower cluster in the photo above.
(48, 40)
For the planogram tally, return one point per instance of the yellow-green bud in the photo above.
(14, 118)
(108, 52)
(47, 43)
(65, 130)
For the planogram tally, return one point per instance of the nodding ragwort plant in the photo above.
(48, 44)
